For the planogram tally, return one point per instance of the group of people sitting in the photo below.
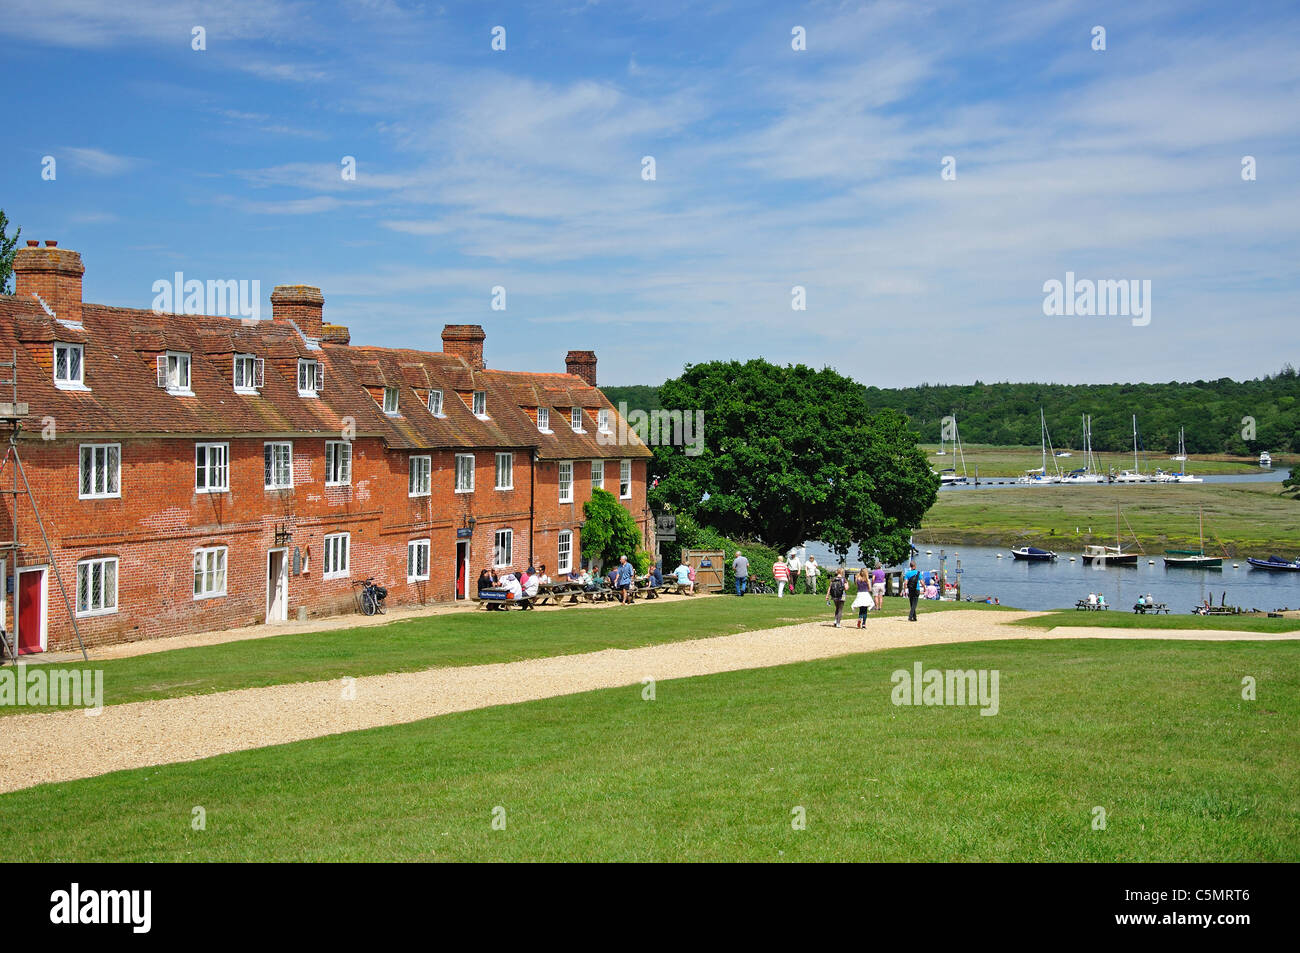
(1098, 599)
(499, 590)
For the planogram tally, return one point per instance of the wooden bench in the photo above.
(503, 603)
(1156, 608)
(1090, 606)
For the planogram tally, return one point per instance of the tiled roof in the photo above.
(123, 397)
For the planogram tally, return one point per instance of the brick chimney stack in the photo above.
(301, 304)
(465, 340)
(53, 273)
(583, 364)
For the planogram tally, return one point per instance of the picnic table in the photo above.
(558, 593)
(1157, 608)
(1085, 604)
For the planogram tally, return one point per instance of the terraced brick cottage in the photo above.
(208, 472)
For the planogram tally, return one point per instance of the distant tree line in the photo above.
(1221, 416)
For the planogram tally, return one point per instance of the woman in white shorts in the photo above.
(878, 585)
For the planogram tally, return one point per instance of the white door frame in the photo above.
(284, 574)
(45, 603)
(469, 561)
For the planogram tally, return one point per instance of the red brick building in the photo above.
(198, 472)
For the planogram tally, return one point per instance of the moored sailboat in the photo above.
(1193, 558)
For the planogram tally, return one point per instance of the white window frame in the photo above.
(222, 469)
(625, 479)
(564, 552)
(503, 549)
(435, 403)
(69, 382)
(565, 483)
(544, 419)
(317, 377)
(575, 419)
(602, 420)
(336, 465)
(391, 406)
(254, 373)
(463, 486)
(413, 549)
(171, 382)
(87, 566)
(509, 459)
(270, 465)
(209, 568)
(112, 454)
(478, 404)
(598, 474)
(337, 545)
(419, 476)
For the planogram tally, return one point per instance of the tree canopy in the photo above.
(792, 454)
(610, 531)
(7, 246)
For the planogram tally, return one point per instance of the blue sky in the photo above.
(821, 168)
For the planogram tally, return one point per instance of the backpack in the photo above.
(914, 585)
(837, 589)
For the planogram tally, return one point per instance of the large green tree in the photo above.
(7, 246)
(792, 454)
(609, 531)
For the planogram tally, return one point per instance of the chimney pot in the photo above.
(33, 243)
(51, 243)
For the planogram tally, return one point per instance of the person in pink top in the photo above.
(781, 573)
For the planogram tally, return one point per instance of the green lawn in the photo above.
(1251, 519)
(1155, 733)
(1113, 619)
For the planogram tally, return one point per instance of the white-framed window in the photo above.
(278, 466)
(575, 419)
(249, 373)
(69, 366)
(311, 375)
(211, 467)
(435, 403)
(209, 572)
(338, 463)
(417, 560)
(174, 372)
(101, 471)
(564, 552)
(503, 548)
(97, 586)
(624, 479)
(566, 481)
(480, 403)
(598, 474)
(602, 420)
(505, 471)
(544, 419)
(390, 401)
(337, 547)
(464, 473)
(418, 480)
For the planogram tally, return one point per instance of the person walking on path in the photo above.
(835, 594)
(810, 571)
(863, 601)
(912, 580)
(781, 573)
(796, 568)
(741, 567)
(878, 586)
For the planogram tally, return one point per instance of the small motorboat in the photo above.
(1033, 554)
(1274, 564)
(1191, 559)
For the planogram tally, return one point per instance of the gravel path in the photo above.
(62, 745)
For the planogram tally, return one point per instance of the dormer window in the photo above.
(69, 366)
(575, 419)
(174, 372)
(480, 403)
(602, 420)
(310, 377)
(435, 403)
(544, 419)
(249, 373)
(390, 401)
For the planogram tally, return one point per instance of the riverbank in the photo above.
(1246, 519)
(994, 462)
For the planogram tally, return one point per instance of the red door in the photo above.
(460, 571)
(29, 612)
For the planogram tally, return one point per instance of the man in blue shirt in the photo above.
(912, 585)
(624, 580)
